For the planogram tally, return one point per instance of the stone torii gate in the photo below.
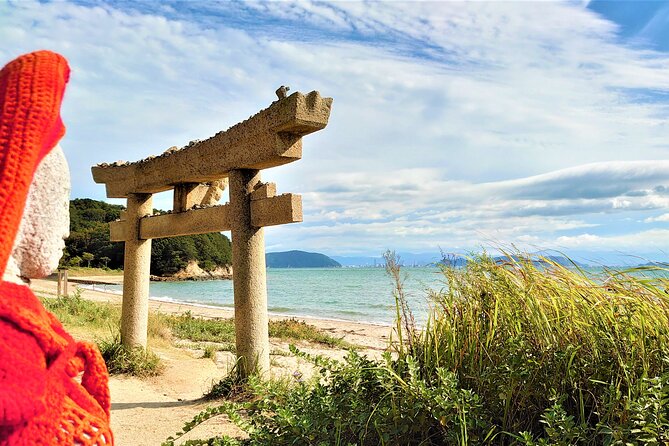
(270, 138)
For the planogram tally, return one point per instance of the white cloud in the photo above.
(420, 205)
(629, 242)
(659, 218)
(453, 123)
(596, 180)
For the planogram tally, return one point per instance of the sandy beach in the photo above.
(146, 411)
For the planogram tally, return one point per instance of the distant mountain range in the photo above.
(299, 259)
(432, 259)
(459, 261)
(408, 259)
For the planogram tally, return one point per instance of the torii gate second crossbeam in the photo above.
(270, 138)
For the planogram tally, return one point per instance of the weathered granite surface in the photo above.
(269, 138)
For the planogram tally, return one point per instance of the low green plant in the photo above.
(362, 402)
(233, 385)
(187, 326)
(301, 331)
(74, 311)
(159, 327)
(222, 331)
(135, 361)
(209, 351)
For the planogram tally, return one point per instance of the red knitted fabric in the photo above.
(43, 400)
(41, 403)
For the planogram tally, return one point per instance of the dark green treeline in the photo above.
(89, 244)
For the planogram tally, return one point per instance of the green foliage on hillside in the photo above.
(89, 234)
(89, 244)
(169, 255)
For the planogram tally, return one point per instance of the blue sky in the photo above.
(543, 125)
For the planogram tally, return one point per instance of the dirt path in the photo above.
(147, 411)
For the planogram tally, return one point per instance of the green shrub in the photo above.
(187, 326)
(517, 352)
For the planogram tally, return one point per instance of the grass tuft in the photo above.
(197, 329)
(131, 361)
(301, 331)
(74, 311)
(232, 387)
(209, 351)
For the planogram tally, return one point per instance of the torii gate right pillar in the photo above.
(249, 282)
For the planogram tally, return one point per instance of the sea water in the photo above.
(350, 294)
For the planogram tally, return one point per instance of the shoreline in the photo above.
(170, 300)
(366, 334)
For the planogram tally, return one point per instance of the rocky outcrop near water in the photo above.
(193, 272)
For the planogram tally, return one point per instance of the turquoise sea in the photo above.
(351, 294)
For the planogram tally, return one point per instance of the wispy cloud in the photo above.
(528, 211)
(659, 218)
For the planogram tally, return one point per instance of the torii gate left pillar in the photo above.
(270, 138)
(136, 273)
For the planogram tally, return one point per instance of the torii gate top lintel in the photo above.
(270, 138)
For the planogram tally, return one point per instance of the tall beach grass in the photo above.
(533, 339)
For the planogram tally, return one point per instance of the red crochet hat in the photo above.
(31, 91)
(41, 402)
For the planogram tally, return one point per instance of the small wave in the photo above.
(211, 305)
(281, 309)
(101, 288)
(278, 311)
(381, 306)
(351, 312)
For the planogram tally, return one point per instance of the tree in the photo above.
(89, 236)
(88, 258)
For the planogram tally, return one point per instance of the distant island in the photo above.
(537, 259)
(299, 259)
